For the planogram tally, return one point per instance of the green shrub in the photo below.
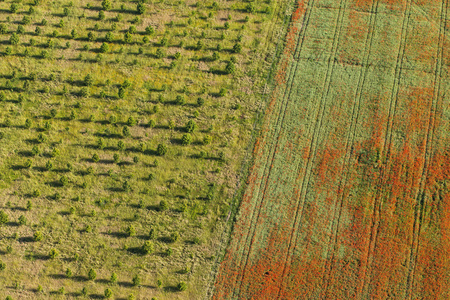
(140, 8)
(127, 37)
(69, 273)
(3, 28)
(41, 138)
(28, 123)
(3, 217)
(130, 231)
(149, 30)
(37, 236)
(223, 92)
(91, 36)
(250, 8)
(160, 53)
(20, 29)
(106, 4)
(131, 121)
(95, 158)
(88, 80)
(62, 291)
(120, 145)
(14, 39)
(53, 253)
(22, 220)
(161, 149)
(109, 37)
(186, 139)
(29, 205)
(191, 126)
(174, 236)
(152, 234)
(207, 139)
(121, 92)
(100, 143)
(104, 48)
(36, 193)
(63, 180)
(237, 48)
(92, 274)
(148, 247)
(2, 266)
(108, 293)
(163, 205)
(182, 286)
(35, 150)
(113, 279)
(14, 8)
(126, 187)
(28, 163)
(230, 68)
(101, 15)
(136, 281)
(126, 131)
(180, 100)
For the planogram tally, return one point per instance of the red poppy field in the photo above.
(348, 196)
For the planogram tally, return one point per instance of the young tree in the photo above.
(230, 68)
(148, 247)
(182, 286)
(130, 231)
(108, 293)
(3, 217)
(191, 126)
(37, 236)
(92, 274)
(104, 48)
(14, 39)
(113, 279)
(186, 139)
(53, 253)
(140, 8)
(136, 281)
(161, 149)
(88, 80)
(106, 4)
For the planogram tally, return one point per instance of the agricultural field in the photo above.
(124, 126)
(348, 196)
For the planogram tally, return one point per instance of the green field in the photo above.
(123, 127)
(348, 195)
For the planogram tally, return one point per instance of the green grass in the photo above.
(197, 180)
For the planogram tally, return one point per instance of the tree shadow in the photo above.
(116, 234)
(26, 239)
(57, 276)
